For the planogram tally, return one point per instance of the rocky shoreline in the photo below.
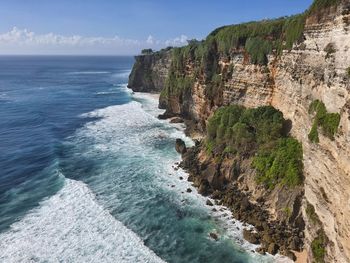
(196, 80)
(273, 236)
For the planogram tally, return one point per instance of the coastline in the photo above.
(220, 212)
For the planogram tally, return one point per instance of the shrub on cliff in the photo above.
(328, 122)
(281, 164)
(274, 34)
(318, 5)
(318, 247)
(146, 51)
(257, 133)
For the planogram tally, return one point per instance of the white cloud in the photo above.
(178, 41)
(24, 41)
(150, 40)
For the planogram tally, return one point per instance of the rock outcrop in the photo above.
(317, 67)
(180, 146)
(150, 71)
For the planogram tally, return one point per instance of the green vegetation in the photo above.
(257, 132)
(176, 84)
(319, 5)
(313, 134)
(257, 39)
(282, 164)
(287, 211)
(146, 51)
(348, 72)
(311, 214)
(260, 38)
(319, 243)
(329, 122)
(318, 247)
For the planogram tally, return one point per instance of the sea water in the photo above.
(87, 172)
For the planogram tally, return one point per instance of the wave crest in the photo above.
(71, 227)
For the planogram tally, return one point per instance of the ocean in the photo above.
(87, 171)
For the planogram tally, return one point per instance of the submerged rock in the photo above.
(214, 236)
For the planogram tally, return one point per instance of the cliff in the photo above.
(150, 71)
(287, 63)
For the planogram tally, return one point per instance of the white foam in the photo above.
(150, 105)
(71, 227)
(119, 125)
(106, 92)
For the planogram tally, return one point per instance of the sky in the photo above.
(123, 27)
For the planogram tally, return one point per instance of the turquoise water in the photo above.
(87, 172)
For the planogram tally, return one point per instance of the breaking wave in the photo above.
(71, 227)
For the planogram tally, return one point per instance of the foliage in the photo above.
(313, 134)
(258, 49)
(258, 39)
(293, 28)
(348, 71)
(213, 86)
(146, 51)
(275, 34)
(318, 247)
(175, 85)
(311, 214)
(329, 122)
(287, 211)
(318, 5)
(281, 164)
(259, 131)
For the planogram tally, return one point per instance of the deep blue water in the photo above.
(86, 171)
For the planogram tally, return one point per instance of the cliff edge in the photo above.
(300, 66)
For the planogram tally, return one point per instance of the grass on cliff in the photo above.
(318, 247)
(311, 215)
(328, 122)
(257, 132)
(274, 34)
(319, 5)
(256, 39)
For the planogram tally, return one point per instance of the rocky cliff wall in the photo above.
(309, 73)
(150, 71)
(316, 68)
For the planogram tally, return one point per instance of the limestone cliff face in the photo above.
(150, 71)
(309, 73)
(316, 68)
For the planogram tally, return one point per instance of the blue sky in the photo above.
(124, 26)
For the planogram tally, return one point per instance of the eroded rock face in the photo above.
(180, 146)
(289, 82)
(275, 213)
(150, 71)
(302, 76)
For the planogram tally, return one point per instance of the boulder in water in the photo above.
(214, 236)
